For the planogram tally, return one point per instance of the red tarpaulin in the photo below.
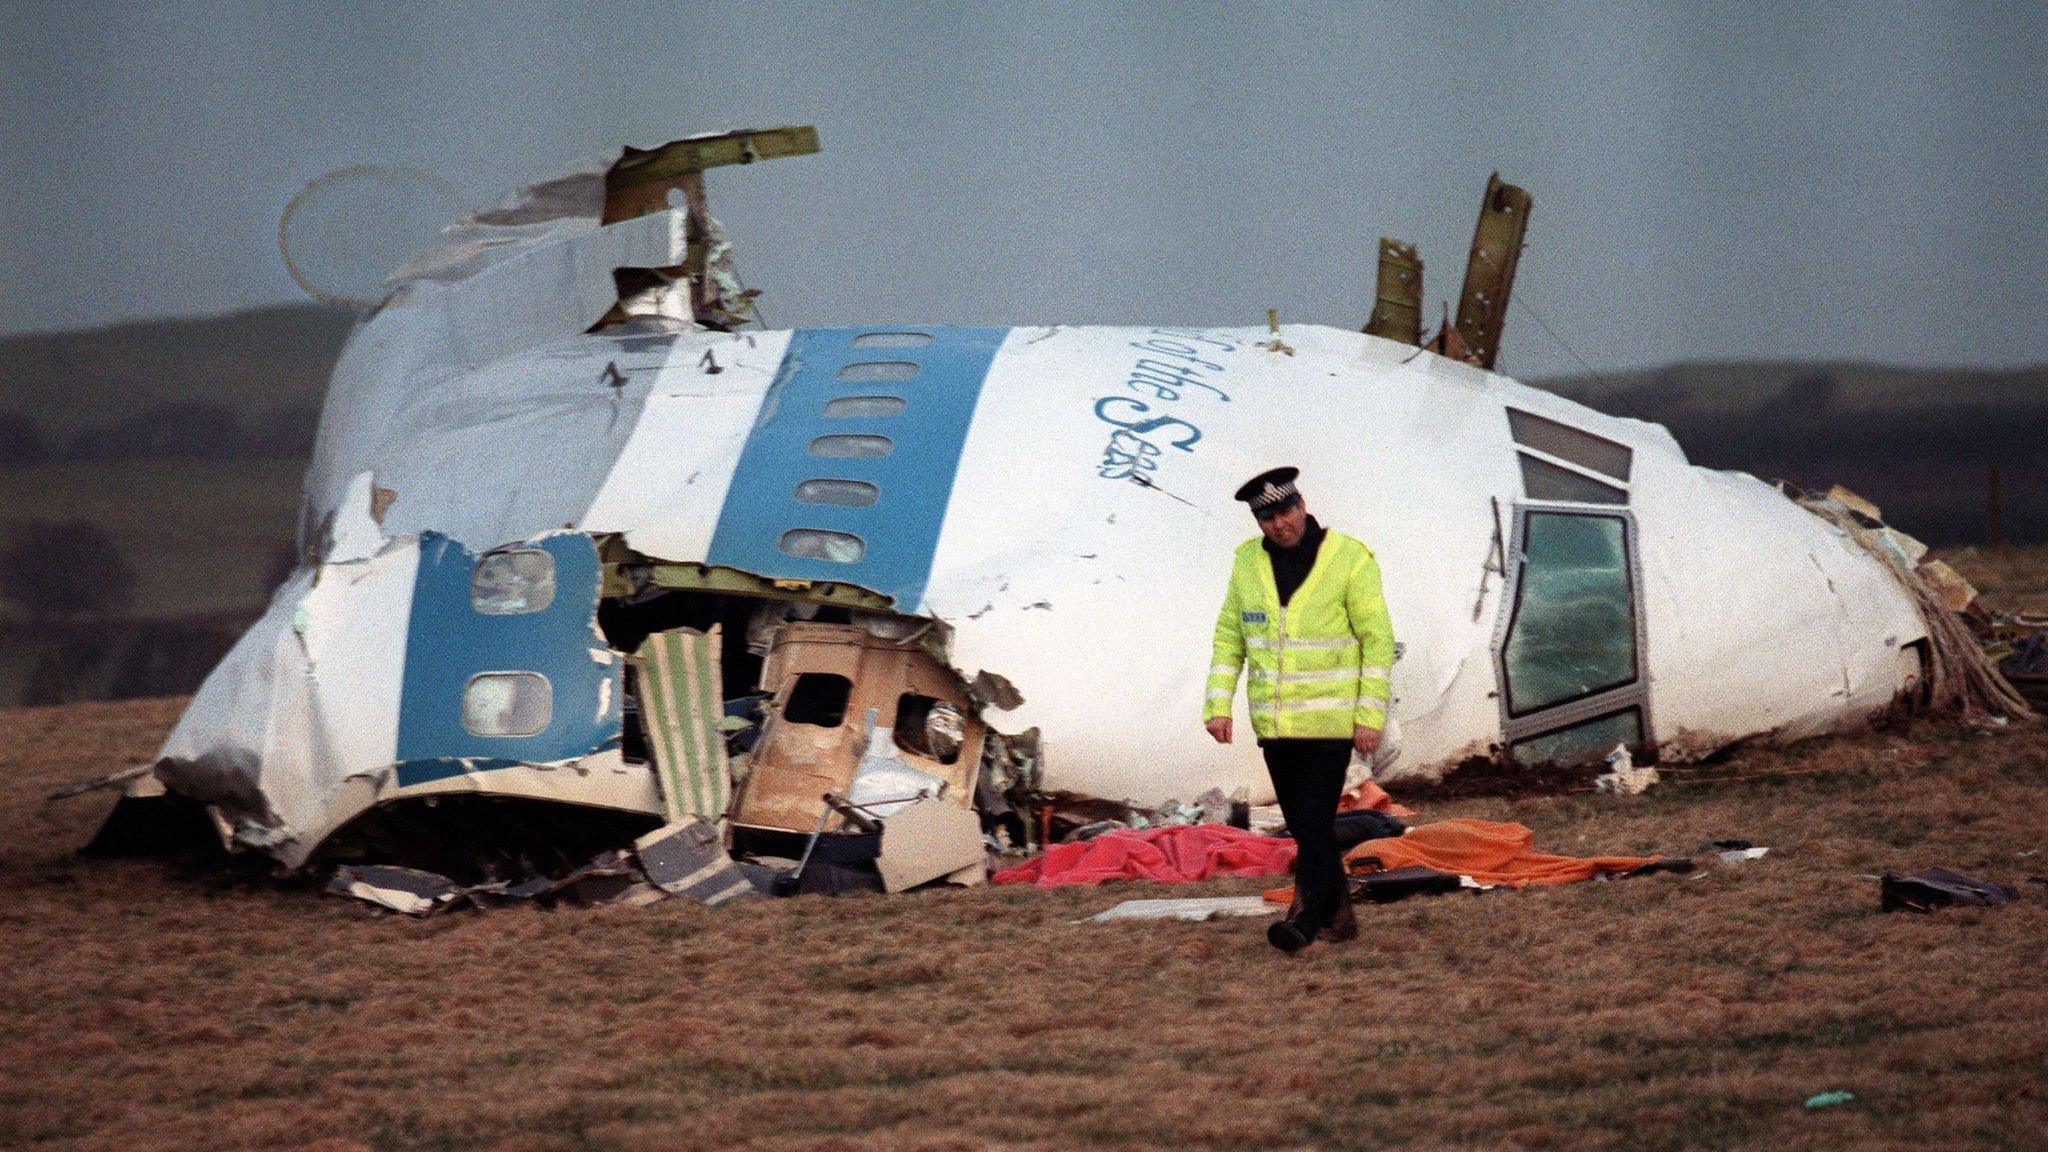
(1173, 855)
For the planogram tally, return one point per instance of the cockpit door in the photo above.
(1569, 646)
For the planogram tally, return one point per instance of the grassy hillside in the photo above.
(265, 370)
(170, 1006)
(1919, 442)
(205, 538)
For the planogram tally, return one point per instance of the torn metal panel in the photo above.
(545, 293)
(487, 688)
(641, 182)
(1197, 908)
(827, 679)
(1490, 270)
(408, 891)
(1397, 307)
(925, 841)
(687, 858)
(678, 677)
(641, 179)
(404, 674)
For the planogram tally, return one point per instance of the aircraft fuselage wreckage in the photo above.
(564, 514)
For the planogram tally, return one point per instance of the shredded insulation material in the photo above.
(1961, 677)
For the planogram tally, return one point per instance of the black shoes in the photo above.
(1287, 935)
(1343, 926)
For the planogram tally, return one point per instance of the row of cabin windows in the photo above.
(845, 547)
(521, 581)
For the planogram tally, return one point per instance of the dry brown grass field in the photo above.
(149, 1005)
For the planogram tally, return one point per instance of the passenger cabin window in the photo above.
(869, 371)
(1573, 630)
(846, 493)
(930, 727)
(818, 698)
(1582, 743)
(507, 704)
(854, 447)
(818, 544)
(512, 583)
(856, 407)
(892, 340)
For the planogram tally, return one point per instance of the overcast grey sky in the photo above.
(1711, 181)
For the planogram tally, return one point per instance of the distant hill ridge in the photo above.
(1919, 441)
(241, 385)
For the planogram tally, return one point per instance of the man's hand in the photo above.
(1220, 729)
(1364, 741)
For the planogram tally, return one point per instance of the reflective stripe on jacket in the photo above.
(1319, 666)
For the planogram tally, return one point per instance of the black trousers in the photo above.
(1308, 779)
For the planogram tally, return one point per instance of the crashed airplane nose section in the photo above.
(532, 463)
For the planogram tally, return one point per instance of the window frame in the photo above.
(850, 439)
(788, 697)
(510, 673)
(1523, 455)
(1593, 705)
(1642, 734)
(476, 569)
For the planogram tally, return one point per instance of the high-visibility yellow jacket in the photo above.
(1320, 665)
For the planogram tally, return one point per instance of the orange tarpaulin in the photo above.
(1373, 797)
(1487, 852)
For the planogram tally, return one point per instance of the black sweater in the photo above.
(1291, 565)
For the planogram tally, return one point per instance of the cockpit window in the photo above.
(1573, 630)
(1543, 480)
(1570, 444)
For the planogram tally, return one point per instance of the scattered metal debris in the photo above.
(405, 890)
(1941, 888)
(1194, 909)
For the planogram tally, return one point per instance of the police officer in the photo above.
(1305, 612)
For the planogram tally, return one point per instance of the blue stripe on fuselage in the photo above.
(899, 532)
